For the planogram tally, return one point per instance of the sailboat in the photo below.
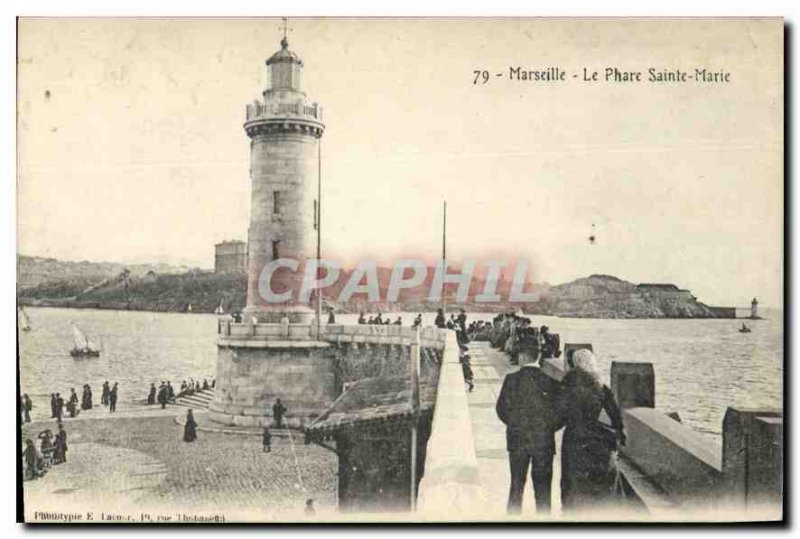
(83, 346)
(24, 321)
(219, 310)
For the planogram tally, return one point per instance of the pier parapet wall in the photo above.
(260, 362)
(669, 466)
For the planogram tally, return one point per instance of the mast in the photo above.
(444, 255)
(318, 219)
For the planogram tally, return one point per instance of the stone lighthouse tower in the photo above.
(284, 128)
(273, 354)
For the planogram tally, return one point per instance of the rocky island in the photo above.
(604, 296)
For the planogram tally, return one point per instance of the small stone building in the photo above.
(230, 257)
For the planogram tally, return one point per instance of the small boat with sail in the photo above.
(744, 329)
(83, 347)
(24, 321)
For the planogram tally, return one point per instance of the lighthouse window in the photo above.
(276, 202)
(275, 249)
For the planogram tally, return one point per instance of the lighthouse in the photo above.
(284, 128)
(273, 353)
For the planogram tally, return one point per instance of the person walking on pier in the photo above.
(104, 395)
(278, 411)
(528, 406)
(151, 397)
(587, 471)
(27, 406)
(190, 428)
(266, 441)
(112, 399)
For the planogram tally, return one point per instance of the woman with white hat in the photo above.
(588, 446)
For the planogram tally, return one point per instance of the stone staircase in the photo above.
(199, 400)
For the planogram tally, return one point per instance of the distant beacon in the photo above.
(284, 129)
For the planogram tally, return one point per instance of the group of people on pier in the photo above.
(52, 451)
(534, 406)
(379, 320)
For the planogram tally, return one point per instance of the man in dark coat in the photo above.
(440, 321)
(59, 406)
(60, 454)
(162, 395)
(112, 399)
(104, 395)
(151, 397)
(278, 410)
(27, 406)
(53, 405)
(528, 405)
(170, 391)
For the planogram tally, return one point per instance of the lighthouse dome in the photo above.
(284, 55)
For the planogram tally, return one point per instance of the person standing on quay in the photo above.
(112, 399)
(86, 401)
(60, 453)
(170, 392)
(59, 413)
(190, 428)
(27, 406)
(151, 397)
(528, 406)
(266, 441)
(32, 460)
(104, 398)
(162, 395)
(52, 405)
(278, 411)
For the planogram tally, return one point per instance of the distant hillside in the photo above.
(151, 292)
(116, 286)
(604, 296)
(35, 270)
(143, 287)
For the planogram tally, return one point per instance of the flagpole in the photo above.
(444, 256)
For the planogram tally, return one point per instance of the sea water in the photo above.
(701, 366)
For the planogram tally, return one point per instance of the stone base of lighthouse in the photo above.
(253, 373)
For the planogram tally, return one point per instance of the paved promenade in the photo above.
(490, 367)
(135, 461)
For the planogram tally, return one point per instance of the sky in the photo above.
(131, 146)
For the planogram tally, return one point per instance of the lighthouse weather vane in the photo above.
(285, 28)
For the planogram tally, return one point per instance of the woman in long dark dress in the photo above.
(190, 428)
(588, 472)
